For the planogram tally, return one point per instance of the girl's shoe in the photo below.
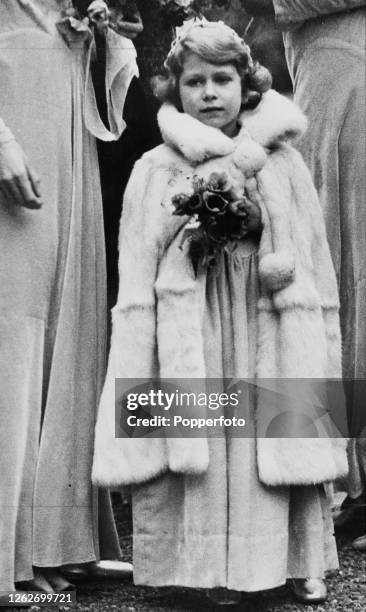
(112, 570)
(223, 597)
(309, 590)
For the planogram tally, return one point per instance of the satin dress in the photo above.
(53, 295)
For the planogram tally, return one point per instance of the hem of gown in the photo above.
(69, 561)
(63, 534)
(254, 581)
(77, 561)
(252, 588)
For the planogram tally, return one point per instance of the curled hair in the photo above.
(215, 43)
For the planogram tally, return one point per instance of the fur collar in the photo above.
(274, 120)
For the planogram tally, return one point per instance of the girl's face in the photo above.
(211, 93)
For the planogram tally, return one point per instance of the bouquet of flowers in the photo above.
(218, 217)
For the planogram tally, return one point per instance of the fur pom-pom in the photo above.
(277, 270)
(249, 157)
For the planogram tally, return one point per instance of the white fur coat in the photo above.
(157, 321)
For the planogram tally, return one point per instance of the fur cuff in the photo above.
(301, 461)
(188, 455)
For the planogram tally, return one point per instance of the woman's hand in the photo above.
(258, 8)
(126, 19)
(99, 14)
(19, 184)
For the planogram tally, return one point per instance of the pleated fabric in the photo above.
(225, 528)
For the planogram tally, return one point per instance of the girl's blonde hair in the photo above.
(218, 44)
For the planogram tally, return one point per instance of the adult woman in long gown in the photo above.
(325, 46)
(52, 290)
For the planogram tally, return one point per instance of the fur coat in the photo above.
(157, 321)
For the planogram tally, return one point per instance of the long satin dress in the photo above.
(53, 295)
(326, 57)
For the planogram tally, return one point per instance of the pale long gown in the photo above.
(52, 296)
(326, 58)
(225, 528)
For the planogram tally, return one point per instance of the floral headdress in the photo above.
(182, 32)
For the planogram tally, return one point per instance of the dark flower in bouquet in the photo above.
(218, 217)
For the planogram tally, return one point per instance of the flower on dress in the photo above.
(74, 30)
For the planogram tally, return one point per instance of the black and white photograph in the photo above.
(183, 305)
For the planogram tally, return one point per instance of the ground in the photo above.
(347, 588)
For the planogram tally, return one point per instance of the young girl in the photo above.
(230, 512)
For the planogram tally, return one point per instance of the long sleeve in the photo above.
(147, 227)
(292, 13)
(321, 265)
(133, 337)
(326, 285)
(306, 343)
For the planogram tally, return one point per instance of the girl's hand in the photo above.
(19, 184)
(253, 205)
